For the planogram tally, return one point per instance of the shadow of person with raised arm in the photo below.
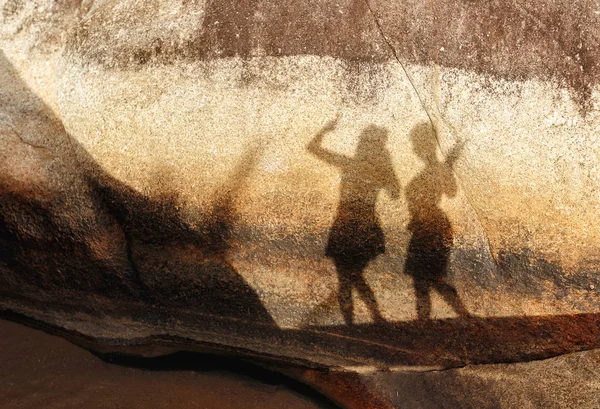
(431, 232)
(356, 236)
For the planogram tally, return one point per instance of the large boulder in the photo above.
(298, 182)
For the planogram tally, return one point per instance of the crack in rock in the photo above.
(434, 127)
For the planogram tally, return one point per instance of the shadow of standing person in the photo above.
(356, 236)
(431, 232)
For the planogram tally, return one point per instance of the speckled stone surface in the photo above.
(359, 185)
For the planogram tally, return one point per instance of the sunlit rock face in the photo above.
(343, 184)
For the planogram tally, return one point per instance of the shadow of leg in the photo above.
(450, 295)
(368, 296)
(422, 298)
(345, 296)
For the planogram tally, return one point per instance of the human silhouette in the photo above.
(431, 232)
(356, 236)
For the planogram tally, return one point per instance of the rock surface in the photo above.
(40, 370)
(172, 175)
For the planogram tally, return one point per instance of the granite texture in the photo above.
(358, 186)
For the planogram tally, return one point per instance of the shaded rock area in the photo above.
(550, 40)
(39, 370)
(395, 203)
(37, 367)
(59, 243)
